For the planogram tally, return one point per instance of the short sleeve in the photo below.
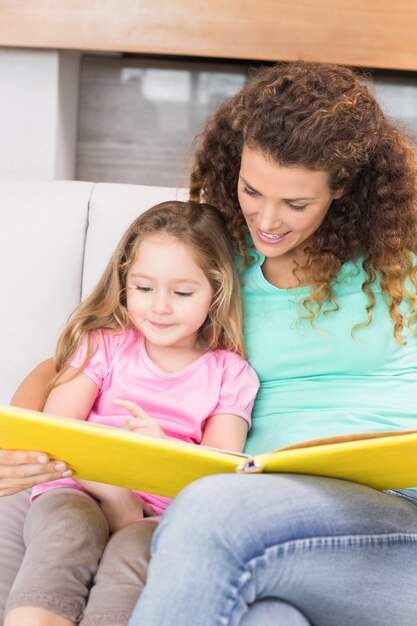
(240, 385)
(102, 350)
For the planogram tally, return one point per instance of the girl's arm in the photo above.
(226, 431)
(74, 397)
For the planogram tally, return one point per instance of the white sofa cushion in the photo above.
(42, 237)
(112, 208)
(55, 240)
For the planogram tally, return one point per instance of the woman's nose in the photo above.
(269, 218)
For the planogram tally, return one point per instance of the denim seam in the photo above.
(291, 546)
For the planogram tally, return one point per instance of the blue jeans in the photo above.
(283, 550)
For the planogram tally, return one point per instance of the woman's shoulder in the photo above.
(255, 258)
(351, 277)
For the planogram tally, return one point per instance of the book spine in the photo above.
(250, 466)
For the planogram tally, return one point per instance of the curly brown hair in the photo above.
(323, 117)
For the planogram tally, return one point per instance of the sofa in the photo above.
(55, 240)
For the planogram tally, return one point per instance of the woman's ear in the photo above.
(339, 193)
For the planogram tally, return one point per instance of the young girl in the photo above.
(157, 349)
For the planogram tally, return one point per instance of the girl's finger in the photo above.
(136, 423)
(133, 408)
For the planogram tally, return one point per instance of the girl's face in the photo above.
(283, 206)
(168, 294)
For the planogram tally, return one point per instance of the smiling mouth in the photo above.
(160, 326)
(273, 236)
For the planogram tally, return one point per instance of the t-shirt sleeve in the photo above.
(240, 385)
(98, 366)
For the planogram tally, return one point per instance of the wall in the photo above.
(368, 33)
(38, 113)
(39, 66)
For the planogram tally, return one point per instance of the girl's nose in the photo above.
(161, 303)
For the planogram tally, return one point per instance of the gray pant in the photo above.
(13, 510)
(64, 537)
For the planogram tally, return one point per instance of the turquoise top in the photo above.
(321, 382)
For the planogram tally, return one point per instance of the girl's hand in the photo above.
(21, 470)
(141, 422)
(120, 506)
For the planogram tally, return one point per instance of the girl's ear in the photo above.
(339, 193)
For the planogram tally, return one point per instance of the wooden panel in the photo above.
(370, 33)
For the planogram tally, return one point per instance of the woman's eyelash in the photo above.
(249, 191)
(252, 192)
(144, 289)
(184, 294)
(297, 207)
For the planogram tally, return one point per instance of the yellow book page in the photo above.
(379, 460)
(113, 455)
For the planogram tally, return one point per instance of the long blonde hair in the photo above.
(200, 227)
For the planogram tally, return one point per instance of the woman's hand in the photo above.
(120, 506)
(21, 470)
(141, 423)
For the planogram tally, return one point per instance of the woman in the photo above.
(318, 191)
(304, 162)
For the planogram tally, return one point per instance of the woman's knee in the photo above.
(203, 511)
(282, 507)
(273, 612)
(218, 493)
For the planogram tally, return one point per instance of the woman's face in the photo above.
(283, 205)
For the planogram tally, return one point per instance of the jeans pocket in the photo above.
(408, 494)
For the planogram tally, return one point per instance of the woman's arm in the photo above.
(21, 470)
(32, 392)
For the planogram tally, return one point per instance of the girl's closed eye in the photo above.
(143, 288)
(184, 294)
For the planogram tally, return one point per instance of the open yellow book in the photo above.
(165, 466)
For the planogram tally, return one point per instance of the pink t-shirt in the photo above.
(217, 382)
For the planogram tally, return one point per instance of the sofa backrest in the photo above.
(55, 240)
(112, 208)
